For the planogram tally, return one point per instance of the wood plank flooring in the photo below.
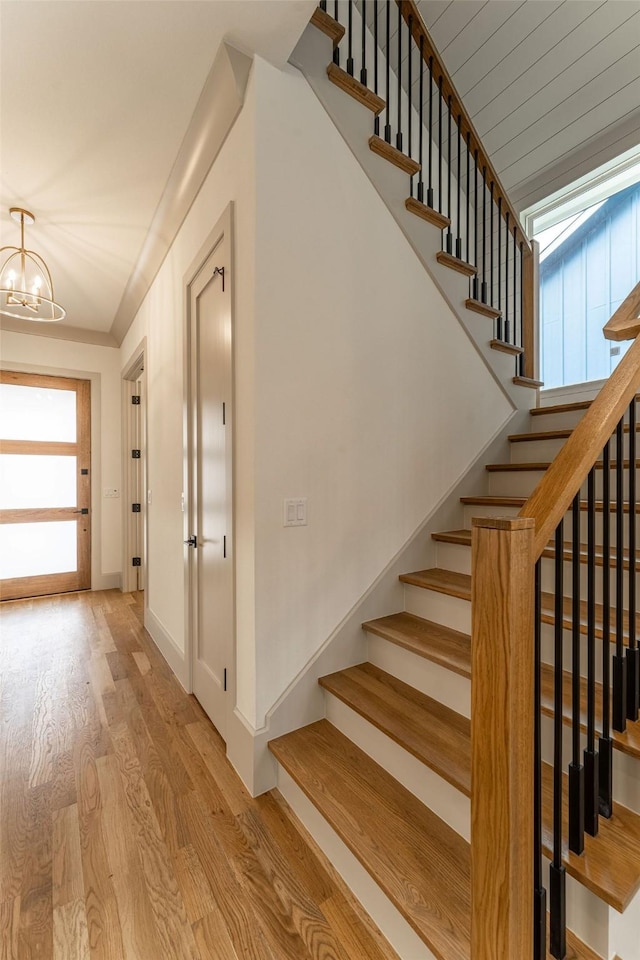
(124, 832)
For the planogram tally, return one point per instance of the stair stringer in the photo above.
(353, 121)
(303, 701)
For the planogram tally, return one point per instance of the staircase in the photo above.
(390, 782)
(389, 769)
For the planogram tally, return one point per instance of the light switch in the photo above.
(295, 512)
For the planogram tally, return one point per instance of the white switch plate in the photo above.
(111, 492)
(295, 512)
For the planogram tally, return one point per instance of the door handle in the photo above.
(192, 541)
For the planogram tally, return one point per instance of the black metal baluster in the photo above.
(350, 38)
(336, 49)
(483, 287)
(619, 662)
(520, 363)
(506, 278)
(440, 99)
(376, 122)
(591, 776)
(605, 744)
(633, 656)
(430, 181)
(387, 126)
(468, 189)
(323, 4)
(539, 892)
(363, 67)
(557, 878)
(458, 218)
(410, 96)
(576, 770)
(515, 286)
(449, 233)
(475, 286)
(399, 130)
(420, 122)
(492, 297)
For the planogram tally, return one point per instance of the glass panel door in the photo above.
(44, 485)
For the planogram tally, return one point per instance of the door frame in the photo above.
(81, 578)
(132, 371)
(222, 233)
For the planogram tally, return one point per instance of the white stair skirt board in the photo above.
(390, 921)
(429, 678)
(439, 607)
(445, 800)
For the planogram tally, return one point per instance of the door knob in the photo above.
(192, 541)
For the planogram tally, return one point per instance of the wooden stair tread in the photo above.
(503, 347)
(427, 213)
(484, 308)
(551, 434)
(442, 581)
(355, 89)
(388, 152)
(454, 263)
(433, 641)
(326, 23)
(528, 382)
(455, 584)
(463, 538)
(488, 501)
(564, 407)
(610, 864)
(420, 863)
(433, 733)
(627, 742)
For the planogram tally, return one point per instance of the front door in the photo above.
(45, 485)
(210, 513)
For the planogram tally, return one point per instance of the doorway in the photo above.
(45, 485)
(209, 513)
(134, 473)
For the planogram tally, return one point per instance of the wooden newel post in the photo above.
(502, 732)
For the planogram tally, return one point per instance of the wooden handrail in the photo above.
(554, 494)
(625, 322)
(418, 28)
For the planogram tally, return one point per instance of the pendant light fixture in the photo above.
(26, 288)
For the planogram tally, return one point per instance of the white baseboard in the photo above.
(106, 581)
(166, 645)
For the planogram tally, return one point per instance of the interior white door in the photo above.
(211, 488)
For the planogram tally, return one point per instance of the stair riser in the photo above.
(457, 557)
(436, 793)
(532, 451)
(556, 421)
(389, 920)
(430, 678)
(623, 937)
(626, 769)
(522, 483)
(439, 607)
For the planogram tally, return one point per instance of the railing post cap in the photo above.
(504, 523)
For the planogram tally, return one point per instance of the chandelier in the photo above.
(26, 288)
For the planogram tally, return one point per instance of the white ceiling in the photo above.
(96, 98)
(552, 86)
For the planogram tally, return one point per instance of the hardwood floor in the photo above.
(124, 831)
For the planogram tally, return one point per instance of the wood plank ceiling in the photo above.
(552, 86)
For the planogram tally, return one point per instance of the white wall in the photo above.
(370, 399)
(161, 320)
(39, 354)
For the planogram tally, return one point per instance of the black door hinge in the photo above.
(225, 680)
(135, 454)
(84, 472)
(224, 547)
(135, 508)
(224, 414)
(135, 400)
(136, 561)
